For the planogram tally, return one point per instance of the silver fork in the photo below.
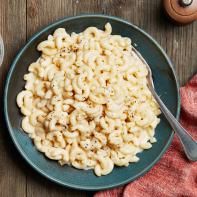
(188, 143)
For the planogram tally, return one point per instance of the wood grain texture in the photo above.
(20, 19)
(13, 31)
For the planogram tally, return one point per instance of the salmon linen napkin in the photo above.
(173, 175)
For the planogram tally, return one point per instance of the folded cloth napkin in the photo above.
(173, 175)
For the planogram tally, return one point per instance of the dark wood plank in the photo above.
(13, 31)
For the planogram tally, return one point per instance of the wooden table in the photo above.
(20, 19)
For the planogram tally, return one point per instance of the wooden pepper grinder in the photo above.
(181, 11)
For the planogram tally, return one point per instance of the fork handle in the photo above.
(189, 144)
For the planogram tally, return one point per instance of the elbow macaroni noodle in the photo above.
(86, 102)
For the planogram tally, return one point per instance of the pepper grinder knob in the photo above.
(185, 2)
(181, 11)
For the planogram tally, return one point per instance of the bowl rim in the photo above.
(26, 158)
(1, 50)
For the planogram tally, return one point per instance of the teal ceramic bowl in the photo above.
(165, 83)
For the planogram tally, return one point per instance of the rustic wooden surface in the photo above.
(20, 19)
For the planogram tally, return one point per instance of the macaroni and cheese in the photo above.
(86, 102)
